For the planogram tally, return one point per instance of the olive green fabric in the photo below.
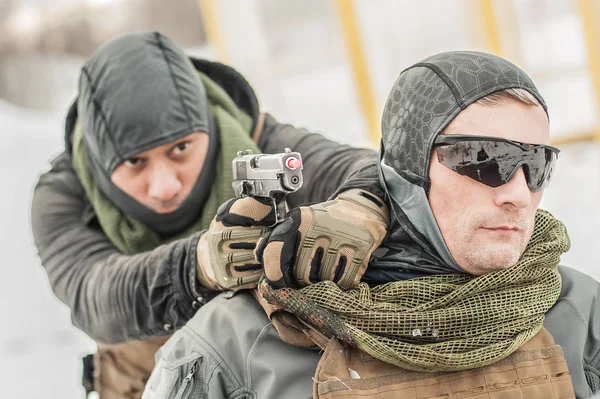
(440, 322)
(131, 236)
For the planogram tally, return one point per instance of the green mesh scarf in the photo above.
(131, 236)
(440, 322)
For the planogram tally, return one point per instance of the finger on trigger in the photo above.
(251, 208)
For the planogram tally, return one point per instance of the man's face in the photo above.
(487, 228)
(162, 177)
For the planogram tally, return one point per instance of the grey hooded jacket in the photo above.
(115, 298)
(229, 349)
(232, 344)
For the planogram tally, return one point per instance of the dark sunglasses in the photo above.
(493, 161)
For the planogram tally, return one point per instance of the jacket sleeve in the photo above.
(112, 297)
(327, 164)
(592, 346)
(574, 322)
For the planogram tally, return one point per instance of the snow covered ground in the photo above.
(39, 348)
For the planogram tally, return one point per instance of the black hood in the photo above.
(424, 100)
(139, 91)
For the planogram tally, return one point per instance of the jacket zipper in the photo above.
(189, 379)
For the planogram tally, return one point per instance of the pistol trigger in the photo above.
(279, 205)
(245, 188)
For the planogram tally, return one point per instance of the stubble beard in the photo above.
(482, 259)
(482, 254)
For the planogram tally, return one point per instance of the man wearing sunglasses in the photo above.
(465, 296)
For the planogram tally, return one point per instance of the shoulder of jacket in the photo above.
(61, 172)
(229, 308)
(581, 292)
(575, 282)
(230, 324)
(222, 333)
(272, 125)
(581, 295)
(59, 188)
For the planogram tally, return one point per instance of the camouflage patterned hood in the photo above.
(424, 100)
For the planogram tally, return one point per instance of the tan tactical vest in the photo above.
(121, 371)
(537, 370)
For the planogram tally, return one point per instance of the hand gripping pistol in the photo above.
(268, 176)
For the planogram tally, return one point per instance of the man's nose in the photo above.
(164, 184)
(515, 191)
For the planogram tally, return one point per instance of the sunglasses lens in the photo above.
(494, 163)
(540, 168)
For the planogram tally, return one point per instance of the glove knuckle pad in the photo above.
(221, 259)
(338, 238)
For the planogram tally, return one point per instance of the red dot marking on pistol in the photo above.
(293, 163)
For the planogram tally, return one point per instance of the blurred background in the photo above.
(323, 64)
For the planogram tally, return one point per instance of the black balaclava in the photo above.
(424, 100)
(137, 92)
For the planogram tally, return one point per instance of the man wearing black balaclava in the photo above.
(117, 220)
(464, 298)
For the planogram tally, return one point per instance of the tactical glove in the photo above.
(332, 241)
(225, 251)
